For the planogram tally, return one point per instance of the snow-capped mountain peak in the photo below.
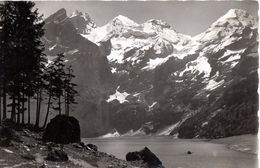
(160, 23)
(85, 15)
(82, 22)
(236, 17)
(124, 21)
(228, 27)
(117, 26)
(126, 35)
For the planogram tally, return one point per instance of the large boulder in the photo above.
(62, 129)
(146, 156)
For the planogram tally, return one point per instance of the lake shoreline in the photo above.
(30, 144)
(173, 152)
(242, 143)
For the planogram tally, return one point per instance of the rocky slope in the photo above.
(27, 150)
(150, 79)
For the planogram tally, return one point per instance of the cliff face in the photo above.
(149, 79)
(90, 65)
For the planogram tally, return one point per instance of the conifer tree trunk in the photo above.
(23, 110)
(29, 111)
(40, 103)
(59, 106)
(13, 118)
(68, 109)
(18, 109)
(23, 90)
(68, 106)
(0, 105)
(37, 102)
(38, 108)
(65, 103)
(48, 110)
(4, 100)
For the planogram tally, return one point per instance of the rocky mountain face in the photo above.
(149, 79)
(90, 66)
(82, 22)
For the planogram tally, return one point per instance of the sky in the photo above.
(187, 17)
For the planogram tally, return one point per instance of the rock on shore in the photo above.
(62, 129)
(146, 156)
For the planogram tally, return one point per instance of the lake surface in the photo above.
(172, 152)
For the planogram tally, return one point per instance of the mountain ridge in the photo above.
(164, 82)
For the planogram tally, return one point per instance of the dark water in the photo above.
(172, 152)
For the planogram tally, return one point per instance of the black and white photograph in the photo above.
(129, 84)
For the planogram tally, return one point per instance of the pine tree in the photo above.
(22, 59)
(1, 71)
(58, 81)
(50, 77)
(59, 84)
(3, 49)
(69, 90)
(55, 76)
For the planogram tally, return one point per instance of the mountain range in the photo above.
(149, 79)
